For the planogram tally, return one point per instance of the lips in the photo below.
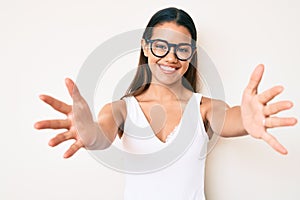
(168, 69)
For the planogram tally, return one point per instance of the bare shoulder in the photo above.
(115, 108)
(111, 117)
(210, 107)
(208, 104)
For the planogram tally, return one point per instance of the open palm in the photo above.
(257, 114)
(70, 121)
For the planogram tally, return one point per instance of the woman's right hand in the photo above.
(68, 123)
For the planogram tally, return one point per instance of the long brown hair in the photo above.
(142, 78)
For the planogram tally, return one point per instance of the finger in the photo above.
(272, 141)
(255, 79)
(61, 138)
(73, 149)
(53, 124)
(272, 122)
(56, 104)
(73, 90)
(277, 107)
(70, 84)
(269, 94)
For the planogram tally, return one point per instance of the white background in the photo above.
(42, 42)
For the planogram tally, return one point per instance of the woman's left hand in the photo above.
(257, 114)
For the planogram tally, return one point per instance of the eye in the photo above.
(183, 50)
(161, 46)
(186, 49)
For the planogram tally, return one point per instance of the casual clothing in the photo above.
(181, 180)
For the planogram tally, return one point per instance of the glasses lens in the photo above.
(159, 48)
(184, 51)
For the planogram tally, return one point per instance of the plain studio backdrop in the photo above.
(43, 42)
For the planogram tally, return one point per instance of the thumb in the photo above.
(70, 85)
(72, 88)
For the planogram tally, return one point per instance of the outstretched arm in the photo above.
(255, 115)
(79, 123)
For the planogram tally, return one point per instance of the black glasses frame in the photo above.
(169, 48)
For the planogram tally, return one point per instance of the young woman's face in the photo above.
(169, 69)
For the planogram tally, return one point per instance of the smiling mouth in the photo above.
(167, 69)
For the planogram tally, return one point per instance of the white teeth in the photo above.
(167, 68)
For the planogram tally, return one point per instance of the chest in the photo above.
(162, 118)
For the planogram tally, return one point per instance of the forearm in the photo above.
(92, 135)
(233, 125)
(110, 118)
(97, 138)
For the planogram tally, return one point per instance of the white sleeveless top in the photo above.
(181, 179)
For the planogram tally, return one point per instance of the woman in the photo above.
(167, 76)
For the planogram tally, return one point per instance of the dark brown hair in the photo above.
(142, 78)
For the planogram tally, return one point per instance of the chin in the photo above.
(166, 80)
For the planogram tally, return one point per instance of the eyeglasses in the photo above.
(160, 48)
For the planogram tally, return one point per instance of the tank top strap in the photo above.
(199, 98)
(201, 121)
(132, 108)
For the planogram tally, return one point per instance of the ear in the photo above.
(145, 47)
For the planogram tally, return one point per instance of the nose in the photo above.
(171, 57)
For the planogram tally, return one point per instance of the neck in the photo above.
(164, 92)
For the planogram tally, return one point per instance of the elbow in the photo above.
(233, 134)
(99, 146)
